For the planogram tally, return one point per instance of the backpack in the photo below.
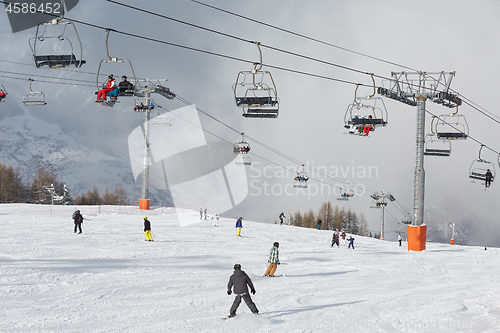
(74, 215)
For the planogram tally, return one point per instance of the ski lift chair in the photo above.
(242, 148)
(452, 127)
(364, 112)
(34, 97)
(378, 204)
(344, 196)
(301, 178)
(162, 121)
(479, 167)
(256, 98)
(141, 105)
(50, 38)
(113, 60)
(256, 93)
(436, 147)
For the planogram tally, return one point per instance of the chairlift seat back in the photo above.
(368, 121)
(452, 136)
(437, 152)
(261, 113)
(255, 101)
(57, 61)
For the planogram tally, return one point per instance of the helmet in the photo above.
(237, 266)
(124, 77)
(145, 217)
(110, 76)
(276, 244)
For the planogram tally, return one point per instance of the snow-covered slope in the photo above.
(109, 279)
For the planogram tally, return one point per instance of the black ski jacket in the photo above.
(78, 218)
(240, 280)
(147, 225)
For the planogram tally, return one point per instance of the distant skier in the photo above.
(239, 225)
(399, 239)
(351, 242)
(274, 260)
(239, 280)
(319, 224)
(147, 229)
(206, 216)
(215, 220)
(342, 238)
(78, 221)
(488, 178)
(282, 216)
(335, 239)
(201, 214)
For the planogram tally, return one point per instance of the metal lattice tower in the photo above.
(150, 86)
(381, 202)
(414, 89)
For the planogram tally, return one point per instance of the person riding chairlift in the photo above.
(110, 88)
(367, 129)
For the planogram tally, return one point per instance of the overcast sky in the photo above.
(460, 36)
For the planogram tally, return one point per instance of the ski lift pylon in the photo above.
(34, 97)
(48, 55)
(256, 93)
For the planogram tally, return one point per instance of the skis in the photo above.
(271, 276)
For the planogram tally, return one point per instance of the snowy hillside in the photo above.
(109, 279)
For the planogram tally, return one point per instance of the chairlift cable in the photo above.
(303, 36)
(239, 59)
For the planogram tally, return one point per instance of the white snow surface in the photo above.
(109, 279)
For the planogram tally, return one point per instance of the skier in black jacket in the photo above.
(78, 221)
(147, 229)
(240, 280)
